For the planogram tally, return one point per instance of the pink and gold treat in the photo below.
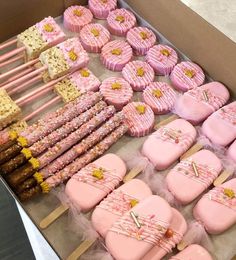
(101, 8)
(139, 117)
(120, 21)
(116, 91)
(160, 97)
(116, 54)
(94, 36)
(162, 58)
(231, 152)
(139, 74)
(187, 75)
(75, 17)
(141, 39)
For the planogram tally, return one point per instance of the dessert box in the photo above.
(199, 41)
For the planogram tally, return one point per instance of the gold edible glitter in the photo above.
(78, 12)
(157, 93)
(72, 55)
(143, 35)
(48, 27)
(98, 173)
(189, 73)
(120, 18)
(229, 193)
(133, 202)
(165, 52)
(141, 109)
(84, 73)
(116, 85)
(117, 51)
(140, 72)
(95, 32)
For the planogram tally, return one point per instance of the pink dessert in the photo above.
(120, 21)
(197, 104)
(162, 58)
(116, 91)
(141, 39)
(232, 151)
(75, 17)
(168, 143)
(160, 97)
(192, 176)
(94, 36)
(216, 210)
(139, 74)
(193, 252)
(172, 237)
(187, 75)
(116, 54)
(101, 8)
(220, 127)
(93, 182)
(139, 117)
(127, 239)
(118, 203)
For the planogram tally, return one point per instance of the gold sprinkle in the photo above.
(141, 109)
(116, 85)
(157, 93)
(72, 55)
(133, 202)
(84, 73)
(13, 135)
(104, 1)
(165, 52)
(195, 169)
(229, 193)
(98, 173)
(48, 27)
(189, 73)
(95, 32)
(140, 72)
(120, 18)
(45, 187)
(117, 51)
(78, 12)
(143, 35)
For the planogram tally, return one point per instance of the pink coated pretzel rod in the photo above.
(60, 147)
(18, 57)
(80, 148)
(56, 119)
(82, 161)
(8, 43)
(11, 53)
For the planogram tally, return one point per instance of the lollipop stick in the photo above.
(222, 178)
(11, 53)
(7, 44)
(195, 148)
(18, 57)
(166, 121)
(54, 215)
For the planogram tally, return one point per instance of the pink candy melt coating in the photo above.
(217, 216)
(116, 62)
(103, 218)
(183, 82)
(162, 153)
(117, 27)
(139, 44)
(163, 104)
(93, 43)
(139, 124)
(116, 97)
(232, 151)
(130, 73)
(85, 196)
(220, 127)
(101, 8)
(162, 64)
(186, 187)
(73, 22)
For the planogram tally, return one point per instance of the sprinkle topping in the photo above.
(229, 193)
(157, 93)
(117, 51)
(143, 35)
(169, 233)
(48, 27)
(141, 109)
(165, 52)
(120, 18)
(116, 85)
(95, 32)
(140, 72)
(189, 73)
(133, 202)
(98, 173)
(84, 73)
(72, 55)
(78, 12)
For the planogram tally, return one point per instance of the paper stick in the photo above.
(11, 53)
(181, 246)
(18, 57)
(166, 121)
(8, 43)
(195, 148)
(222, 178)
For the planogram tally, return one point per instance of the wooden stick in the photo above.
(18, 57)
(11, 53)
(195, 148)
(222, 178)
(133, 173)
(81, 249)
(7, 44)
(54, 215)
(166, 121)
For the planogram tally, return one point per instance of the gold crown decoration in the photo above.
(27, 153)
(38, 177)
(13, 135)
(157, 93)
(22, 141)
(98, 173)
(120, 18)
(95, 32)
(48, 27)
(116, 85)
(34, 162)
(117, 51)
(84, 73)
(140, 72)
(72, 55)
(189, 73)
(78, 12)
(141, 109)
(45, 187)
(133, 202)
(229, 193)
(143, 35)
(165, 52)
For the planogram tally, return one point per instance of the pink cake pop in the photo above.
(162, 58)
(120, 21)
(187, 75)
(75, 17)
(160, 97)
(141, 39)
(101, 8)
(139, 74)
(139, 118)
(94, 36)
(116, 54)
(231, 152)
(116, 91)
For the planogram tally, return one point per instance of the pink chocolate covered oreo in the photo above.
(116, 54)
(75, 17)
(232, 151)
(94, 36)
(141, 39)
(101, 8)
(116, 91)
(120, 21)
(168, 143)
(187, 75)
(160, 97)
(139, 117)
(139, 74)
(162, 58)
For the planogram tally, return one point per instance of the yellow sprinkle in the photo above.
(117, 51)
(165, 52)
(22, 141)
(95, 32)
(120, 18)
(143, 35)
(98, 173)
(157, 93)
(72, 55)
(140, 72)
(229, 193)
(116, 85)
(104, 1)
(133, 202)
(48, 27)
(34, 162)
(141, 109)
(13, 135)
(189, 73)
(38, 177)
(26, 152)
(84, 73)
(78, 12)
(45, 187)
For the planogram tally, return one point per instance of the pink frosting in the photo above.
(141, 44)
(120, 21)
(101, 8)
